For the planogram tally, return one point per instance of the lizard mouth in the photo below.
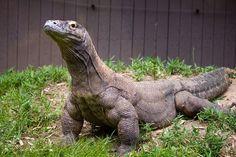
(52, 25)
(52, 29)
(54, 35)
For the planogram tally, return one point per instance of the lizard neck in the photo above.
(88, 72)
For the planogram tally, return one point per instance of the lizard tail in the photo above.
(208, 85)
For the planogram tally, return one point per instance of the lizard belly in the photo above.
(156, 101)
(94, 113)
(159, 112)
(89, 115)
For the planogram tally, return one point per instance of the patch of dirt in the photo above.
(229, 97)
(230, 94)
(230, 148)
(56, 93)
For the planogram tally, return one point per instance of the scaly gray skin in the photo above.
(105, 98)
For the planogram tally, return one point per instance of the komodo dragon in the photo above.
(105, 98)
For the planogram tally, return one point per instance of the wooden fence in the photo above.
(198, 31)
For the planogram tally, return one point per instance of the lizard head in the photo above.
(66, 32)
(76, 46)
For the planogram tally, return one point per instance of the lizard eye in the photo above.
(73, 25)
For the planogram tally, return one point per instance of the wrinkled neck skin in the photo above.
(89, 74)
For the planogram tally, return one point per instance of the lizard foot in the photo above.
(232, 105)
(123, 149)
(68, 139)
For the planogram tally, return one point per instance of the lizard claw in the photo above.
(232, 105)
(68, 139)
(123, 149)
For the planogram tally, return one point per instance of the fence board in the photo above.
(208, 24)
(219, 28)
(45, 42)
(12, 33)
(150, 28)
(104, 27)
(81, 12)
(3, 35)
(70, 10)
(139, 28)
(197, 26)
(230, 34)
(23, 34)
(34, 32)
(92, 20)
(126, 30)
(162, 28)
(122, 28)
(185, 30)
(174, 28)
(115, 29)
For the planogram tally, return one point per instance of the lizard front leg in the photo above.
(71, 121)
(122, 114)
(128, 132)
(127, 127)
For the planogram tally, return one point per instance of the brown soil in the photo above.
(230, 94)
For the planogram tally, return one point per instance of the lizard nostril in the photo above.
(54, 22)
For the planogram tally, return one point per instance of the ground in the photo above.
(57, 93)
(32, 101)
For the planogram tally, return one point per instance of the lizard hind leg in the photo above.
(190, 105)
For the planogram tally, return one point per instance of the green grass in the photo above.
(23, 106)
(180, 141)
(153, 67)
(85, 147)
(233, 75)
(191, 140)
(117, 66)
(219, 119)
(25, 111)
(156, 68)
